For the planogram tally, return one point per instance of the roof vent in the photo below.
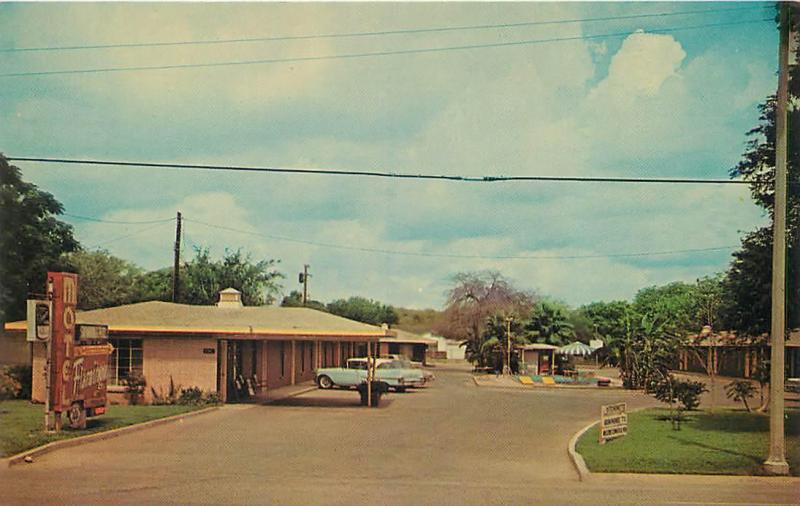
(230, 297)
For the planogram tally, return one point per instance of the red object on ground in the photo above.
(603, 382)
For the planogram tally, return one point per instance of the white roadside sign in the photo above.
(613, 422)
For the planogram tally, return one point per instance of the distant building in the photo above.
(408, 344)
(218, 348)
(730, 355)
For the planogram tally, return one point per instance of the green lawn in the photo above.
(725, 442)
(22, 423)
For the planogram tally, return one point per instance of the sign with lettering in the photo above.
(613, 422)
(90, 332)
(39, 312)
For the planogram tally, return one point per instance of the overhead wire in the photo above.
(400, 31)
(140, 231)
(344, 56)
(381, 174)
(461, 256)
(118, 222)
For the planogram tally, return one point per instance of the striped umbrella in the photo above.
(576, 348)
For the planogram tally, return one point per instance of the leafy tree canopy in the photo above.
(363, 310)
(549, 323)
(32, 240)
(295, 299)
(105, 280)
(203, 278)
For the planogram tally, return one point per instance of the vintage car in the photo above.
(416, 370)
(356, 373)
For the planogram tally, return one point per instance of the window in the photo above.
(125, 360)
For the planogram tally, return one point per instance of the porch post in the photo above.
(294, 362)
(222, 377)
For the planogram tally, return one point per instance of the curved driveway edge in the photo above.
(577, 458)
(99, 436)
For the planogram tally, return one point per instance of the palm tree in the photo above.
(549, 324)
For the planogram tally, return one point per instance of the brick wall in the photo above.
(14, 349)
(183, 359)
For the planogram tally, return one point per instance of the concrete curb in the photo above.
(577, 459)
(100, 436)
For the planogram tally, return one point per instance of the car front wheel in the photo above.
(325, 382)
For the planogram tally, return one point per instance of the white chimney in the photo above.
(230, 297)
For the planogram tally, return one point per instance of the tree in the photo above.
(548, 323)
(32, 240)
(674, 305)
(363, 310)
(203, 278)
(156, 285)
(474, 297)
(295, 299)
(494, 348)
(750, 274)
(105, 280)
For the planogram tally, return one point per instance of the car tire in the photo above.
(325, 382)
(76, 416)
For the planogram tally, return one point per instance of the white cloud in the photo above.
(640, 67)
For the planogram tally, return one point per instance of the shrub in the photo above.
(740, 391)
(9, 386)
(24, 375)
(170, 396)
(212, 398)
(688, 393)
(191, 395)
(134, 388)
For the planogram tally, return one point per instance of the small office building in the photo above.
(217, 348)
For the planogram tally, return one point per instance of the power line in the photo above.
(336, 172)
(140, 231)
(402, 31)
(447, 255)
(367, 54)
(98, 220)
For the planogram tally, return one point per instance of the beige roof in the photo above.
(405, 337)
(536, 346)
(166, 317)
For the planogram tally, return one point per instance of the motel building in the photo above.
(236, 351)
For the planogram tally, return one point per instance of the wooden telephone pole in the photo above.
(177, 263)
(776, 462)
(304, 280)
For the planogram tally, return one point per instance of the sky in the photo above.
(642, 103)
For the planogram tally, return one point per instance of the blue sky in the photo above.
(673, 104)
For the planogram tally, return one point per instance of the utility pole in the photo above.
(776, 462)
(304, 280)
(509, 319)
(177, 264)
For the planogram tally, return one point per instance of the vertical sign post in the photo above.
(63, 291)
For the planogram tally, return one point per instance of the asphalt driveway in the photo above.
(453, 443)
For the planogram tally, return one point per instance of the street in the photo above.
(452, 443)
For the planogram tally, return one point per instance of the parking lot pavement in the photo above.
(452, 443)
